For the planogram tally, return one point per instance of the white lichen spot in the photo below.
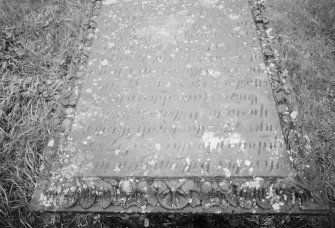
(233, 16)
(211, 140)
(104, 62)
(256, 183)
(51, 143)
(117, 168)
(152, 162)
(238, 162)
(294, 115)
(214, 73)
(233, 139)
(158, 146)
(116, 152)
(110, 45)
(251, 170)
(237, 29)
(109, 2)
(173, 166)
(227, 172)
(208, 3)
(268, 31)
(247, 162)
(45, 201)
(59, 189)
(168, 84)
(72, 189)
(276, 206)
(127, 186)
(85, 142)
(188, 163)
(262, 66)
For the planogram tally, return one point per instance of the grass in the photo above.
(37, 42)
(306, 37)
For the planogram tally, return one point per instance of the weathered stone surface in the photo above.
(176, 113)
(176, 89)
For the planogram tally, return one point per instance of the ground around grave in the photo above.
(38, 40)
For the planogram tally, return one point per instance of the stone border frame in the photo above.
(244, 195)
(71, 90)
(298, 145)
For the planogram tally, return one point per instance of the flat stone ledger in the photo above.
(176, 113)
(177, 89)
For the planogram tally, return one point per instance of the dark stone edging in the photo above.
(183, 195)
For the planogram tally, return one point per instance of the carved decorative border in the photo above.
(171, 195)
(184, 195)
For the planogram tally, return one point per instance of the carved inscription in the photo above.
(179, 89)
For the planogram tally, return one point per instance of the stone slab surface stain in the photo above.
(175, 88)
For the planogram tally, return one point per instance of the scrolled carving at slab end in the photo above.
(173, 194)
(87, 199)
(106, 199)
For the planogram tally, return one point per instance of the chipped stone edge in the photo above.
(144, 195)
(297, 143)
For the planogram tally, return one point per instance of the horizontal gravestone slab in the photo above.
(176, 114)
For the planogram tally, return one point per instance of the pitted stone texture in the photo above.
(176, 88)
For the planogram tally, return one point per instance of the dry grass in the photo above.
(37, 41)
(306, 34)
